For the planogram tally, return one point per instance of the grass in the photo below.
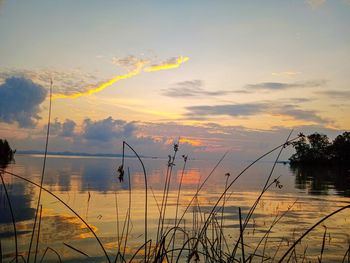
(202, 240)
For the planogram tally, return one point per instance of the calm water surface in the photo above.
(91, 187)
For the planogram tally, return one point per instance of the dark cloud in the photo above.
(64, 129)
(107, 129)
(338, 94)
(228, 109)
(273, 86)
(192, 88)
(299, 114)
(249, 109)
(68, 128)
(19, 101)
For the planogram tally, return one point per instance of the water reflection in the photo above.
(20, 200)
(322, 180)
(91, 188)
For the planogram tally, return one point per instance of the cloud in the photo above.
(68, 128)
(191, 88)
(228, 109)
(64, 129)
(338, 94)
(74, 84)
(315, 3)
(285, 73)
(129, 62)
(107, 129)
(20, 101)
(299, 100)
(66, 82)
(274, 86)
(134, 66)
(173, 62)
(299, 114)
(250, 109)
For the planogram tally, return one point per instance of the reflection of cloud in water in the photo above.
(190, 177)
(53, 227)
(97, 175)
(20, 201)
(63, 227)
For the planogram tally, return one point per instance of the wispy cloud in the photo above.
(338, 94)
(299, 100)
(315, 3)
(20, 101)
(275, 86)
(255, 109)
(74, 84)
(299, 114)
(130, 62)
(286, 73)
(171, 63)
(228, 109)
(192, 88)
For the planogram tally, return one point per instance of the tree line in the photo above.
(317, 148)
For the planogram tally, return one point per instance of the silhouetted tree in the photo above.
(316, 149)
(319, 147)
(340, 149)
(6, 153)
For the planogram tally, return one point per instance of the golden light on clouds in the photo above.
(98, 88)
(191, 141)
(175, 63)
(170, 64)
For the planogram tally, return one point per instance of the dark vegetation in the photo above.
(6, 153)
(318, 149)
(320, 162)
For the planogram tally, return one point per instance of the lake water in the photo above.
(90, 186)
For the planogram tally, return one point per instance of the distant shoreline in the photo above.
(81, 154)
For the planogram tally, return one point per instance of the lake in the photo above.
(90, 186)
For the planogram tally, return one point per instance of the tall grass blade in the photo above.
(241, 233)
(54, 251)
(42, 173)
(75, 249)
(38, 236)
(11, 212)
(146, 192)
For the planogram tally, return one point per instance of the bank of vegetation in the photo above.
(318, 149)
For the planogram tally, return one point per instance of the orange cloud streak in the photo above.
(139, 67)
(178, 61)
(193, 142)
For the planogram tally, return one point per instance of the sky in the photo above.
(218, 75)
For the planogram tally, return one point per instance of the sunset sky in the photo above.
(221, 75)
